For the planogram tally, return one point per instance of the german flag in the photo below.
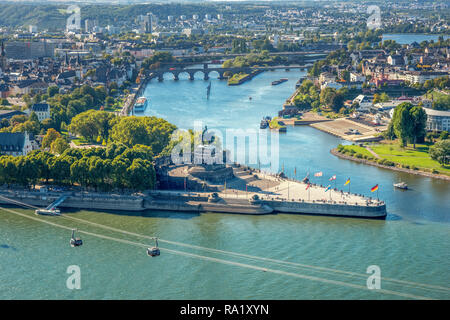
(374, 188)
(347, 182)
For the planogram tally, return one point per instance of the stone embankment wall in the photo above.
(192, 203)
(329, 209)
(88, 201)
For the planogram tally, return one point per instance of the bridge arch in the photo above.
(204, 74)
(215, 74)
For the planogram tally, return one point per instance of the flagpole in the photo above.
(288, 189)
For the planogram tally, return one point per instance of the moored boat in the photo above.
(274, 83)
(141, 104)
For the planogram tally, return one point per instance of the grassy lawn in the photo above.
(359, 149)
(80, 141)
(435, 94)
(273, 124)
(418, 157)
(236, 78)
(407, 156)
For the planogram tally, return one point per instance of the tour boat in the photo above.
(274, 83)
(75, 242)
(46, 212)
(401, 185)
(154, 251)
(141, 104)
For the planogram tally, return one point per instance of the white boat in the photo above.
(46, 212)
(401, 185)
(141, 104)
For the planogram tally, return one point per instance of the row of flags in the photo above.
(319, 174)
(333, 178)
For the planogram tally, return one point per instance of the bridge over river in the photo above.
(206, 70)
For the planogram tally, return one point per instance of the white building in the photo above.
(42, 110)
(437, 120)
(331, 84)
(365, 102)
(192, 31)
(422, 76)
(356, 77)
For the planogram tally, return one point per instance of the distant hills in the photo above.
(52, 16)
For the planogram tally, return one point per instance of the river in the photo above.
(328, 257)
(408, 38)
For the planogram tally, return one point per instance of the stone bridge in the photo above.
(206, 70)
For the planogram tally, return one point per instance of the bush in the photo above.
(359, 155)
(435, 171)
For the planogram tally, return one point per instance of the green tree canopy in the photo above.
(441, 152)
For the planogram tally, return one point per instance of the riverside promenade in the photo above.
(251, 192)
(265, 193)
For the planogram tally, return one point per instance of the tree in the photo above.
(442, 103)
(42, 162)
(59, 145)
(150, 131)
(331, 98)
(159, 57)
(351, 45)
(92, 124)
(50, 136)
(441, 152)
(403, 124)
(52, 91)
(390, 133)
(140, 175)
(130, 131)
(419, 118)
(409, 123)
(60, 168)
(33, 117)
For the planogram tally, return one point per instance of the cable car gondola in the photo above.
(75, 242)
(154, 251)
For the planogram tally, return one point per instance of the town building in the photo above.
(8, 114)
(364, 102)
(422, 76)
(437, 120)
(42, 110)
(356, 77)
(15, 144)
